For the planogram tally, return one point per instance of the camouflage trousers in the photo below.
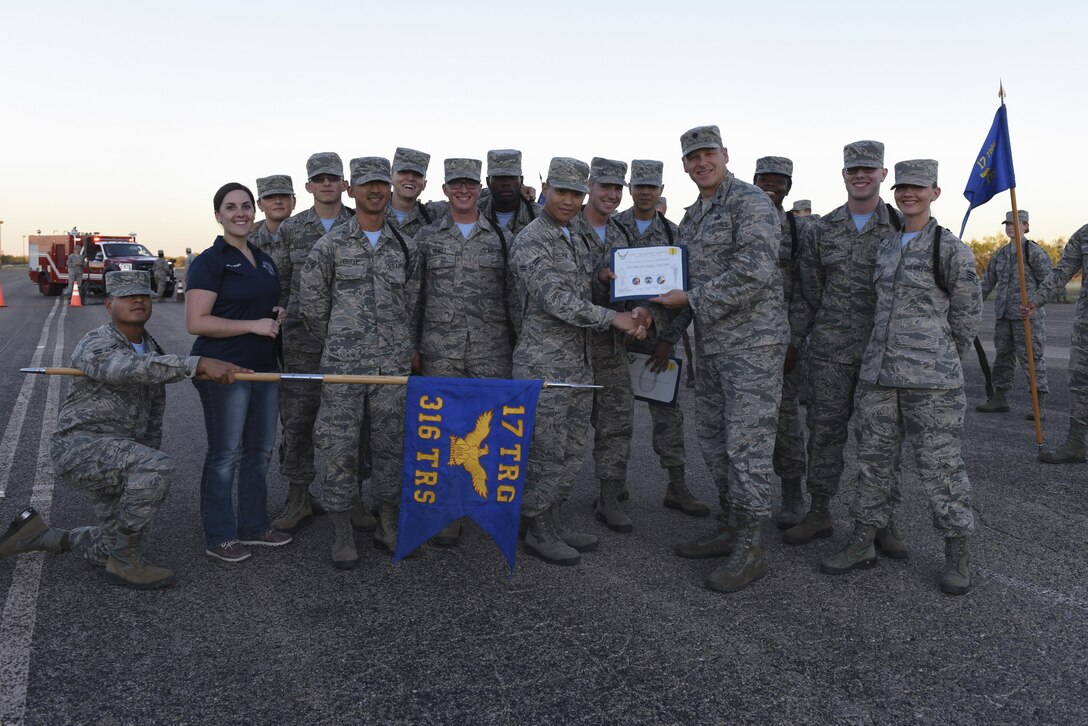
(831, 389)
(1011, 350)
(127, 483)
(668, 421)
(299, 402)
(933, 422)
(736, 405)
(559, 438)
(613, 408)
(346, 411)
(491, 367)
(1078, 382)
(74, 274)
(789, 441)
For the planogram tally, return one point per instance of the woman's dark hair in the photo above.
(227, 189)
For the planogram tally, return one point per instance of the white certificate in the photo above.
(644, 272)
(656, 388)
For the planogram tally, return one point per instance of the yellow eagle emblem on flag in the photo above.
(466, 452)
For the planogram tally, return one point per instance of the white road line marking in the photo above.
(21, 605)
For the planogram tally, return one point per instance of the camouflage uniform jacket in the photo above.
(527, 212)
(160, 266)
(464, 289)
(735, 288)
(919, 331)
(789, 250)
(1003, 272)
(422, 214)
(555, 278)
(261, 238)
(671, 324)
(1074, 259)
(835, 299)
(122, 396)
(295, 239)
(355, 301)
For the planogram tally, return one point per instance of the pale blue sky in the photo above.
(126, 116)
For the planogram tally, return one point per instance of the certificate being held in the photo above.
(644, 272)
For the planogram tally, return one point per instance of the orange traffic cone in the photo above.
(75, 302)
(2, 303)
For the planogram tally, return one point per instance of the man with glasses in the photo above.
(461, 327)
(834, 310)
(299, 401)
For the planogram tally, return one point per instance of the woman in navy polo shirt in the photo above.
(231, 304)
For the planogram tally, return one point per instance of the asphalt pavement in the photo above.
(629, 636)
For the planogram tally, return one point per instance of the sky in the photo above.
(125, 116)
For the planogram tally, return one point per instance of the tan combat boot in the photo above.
(385, 534)
(889, 543)
(28, 532)
(792, 512)
(817, 523)
(956, 578)
(297, 512)
(607, 507)
(126, 565)
(679, 497)
(717, 543)
(997, 403)
(543, 542)
(343, 553)
(578, 540)
(361, 518)
(745, 565)
(860, 552)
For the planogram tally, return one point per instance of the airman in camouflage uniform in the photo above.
(406, 212)
(555, 267)
(75, 271)
(506, 205)
(354, 301)
(648, 227)
(732, 234)
(276, 198)
(299, 400)
(833, 310)
(802, 208)
(928, 311)
(108, 436)
(613, 409)
(1074, 259)
(1003, 273)
(461, 323)
(161, 269)
(774, 175)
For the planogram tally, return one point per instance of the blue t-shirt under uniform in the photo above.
(243, 292)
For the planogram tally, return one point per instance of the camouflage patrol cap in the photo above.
(504, 162)
(916, 173)
(411, 160)
(567, 173)
(370, 168)
(607, 171)
(268, 186)
(324, 162)
(661, 202)
(802, 204)
(1022, 213)
(774, 165)
(462, 169)
(864, 154)
(646, 172)
(123, 283)
(700, 137)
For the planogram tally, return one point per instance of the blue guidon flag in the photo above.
(992, 171)
(466, 446)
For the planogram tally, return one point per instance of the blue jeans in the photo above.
(240, 420)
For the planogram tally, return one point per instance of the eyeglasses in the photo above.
(851, 171)
(469, 184)
(325, 178)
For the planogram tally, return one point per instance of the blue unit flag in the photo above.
(992, 172)
(466, 446)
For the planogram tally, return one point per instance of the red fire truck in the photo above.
(102, 253)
